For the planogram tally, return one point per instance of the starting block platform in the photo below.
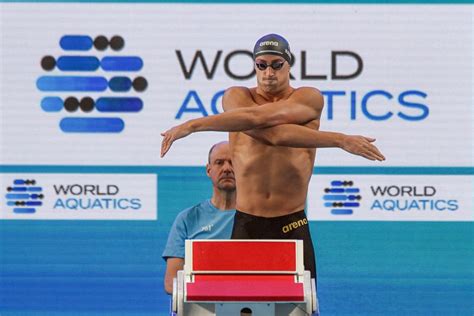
(244, 277)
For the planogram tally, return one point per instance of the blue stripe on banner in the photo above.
(111, 104)
(351, 204)
(71, 83)
(352, 190)
(341, 211)
(35, 189)
(78, 63)
(376, 2)
(12, 196)
(120, 84)
(334, 197)
(24, 210)
(19, 189)
(412, 170)
(74, 42)
(121, 63)
(92, 125)
(34, 203)
(52, 104)
(459, 171)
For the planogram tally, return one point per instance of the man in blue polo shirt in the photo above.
(210, 219)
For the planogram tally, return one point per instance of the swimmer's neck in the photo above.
(277, 96)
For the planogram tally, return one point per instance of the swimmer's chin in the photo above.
(269, 88)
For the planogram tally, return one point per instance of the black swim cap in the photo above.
(272, 44)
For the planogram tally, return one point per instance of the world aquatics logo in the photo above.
(90, 83)
(24, 196)
(341, 197)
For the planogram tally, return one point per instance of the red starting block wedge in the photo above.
(257, 277)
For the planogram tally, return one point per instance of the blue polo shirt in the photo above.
(202, 221)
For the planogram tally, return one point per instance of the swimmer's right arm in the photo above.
(304, 106)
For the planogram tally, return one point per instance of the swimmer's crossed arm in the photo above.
(291, 135)
(274, 123)
(242, 116)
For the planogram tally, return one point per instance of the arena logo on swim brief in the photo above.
(81, 197)
(391, 198)
(73, 80)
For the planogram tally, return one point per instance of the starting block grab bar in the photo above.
(244, 277)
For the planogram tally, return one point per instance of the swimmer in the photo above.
(274, 133)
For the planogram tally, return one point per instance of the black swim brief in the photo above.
(292, 226)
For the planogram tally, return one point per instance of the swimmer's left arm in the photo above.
(292, 135)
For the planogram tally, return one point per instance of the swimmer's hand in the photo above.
(362, 146)
(172, 135)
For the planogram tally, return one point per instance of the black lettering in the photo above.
(61, 189)
(407, 190)
(304, 75)
(89, 188)
(198, 55)
(335, 75)
(378, 190)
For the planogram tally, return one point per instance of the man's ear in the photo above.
(208, 169)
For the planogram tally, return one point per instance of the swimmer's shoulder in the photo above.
(310, 95)
(237, 96)
(310, 91)
(239, 91)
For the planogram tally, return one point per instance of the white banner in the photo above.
(79, 196)
(390, 198)
(399, 73)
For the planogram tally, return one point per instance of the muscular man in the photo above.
(274, 133)
(210, 219)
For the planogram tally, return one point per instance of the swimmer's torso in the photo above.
(271, 180)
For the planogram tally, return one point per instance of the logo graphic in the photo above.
(269, 43)
(95, 81)
(342, 197)
(23, 196)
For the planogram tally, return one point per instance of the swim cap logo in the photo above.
(269, 43)
(57, 86)
(342, 197)
(23, 196)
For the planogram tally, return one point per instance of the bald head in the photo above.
(214, 147)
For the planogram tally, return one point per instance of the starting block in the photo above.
(244, 277)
